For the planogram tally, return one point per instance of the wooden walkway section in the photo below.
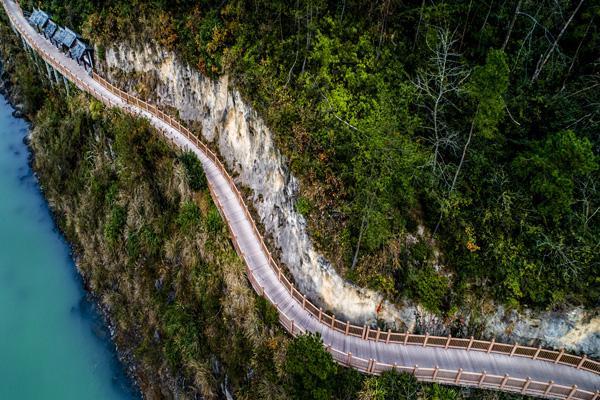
(466, 362)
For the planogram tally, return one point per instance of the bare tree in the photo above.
(297, 46)
(544, 59)
(577, 51)
(512, 24)
(364, 224)
(589, 193)
(438, 86)
(309, 19)
(561, 254)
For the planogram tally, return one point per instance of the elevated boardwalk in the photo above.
(465, 362)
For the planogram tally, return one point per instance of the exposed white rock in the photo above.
(246, 145)
(576, 330)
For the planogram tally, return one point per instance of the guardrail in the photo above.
(365, 331)
(371, 366)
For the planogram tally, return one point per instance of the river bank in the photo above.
(48, 319)
(104, 326)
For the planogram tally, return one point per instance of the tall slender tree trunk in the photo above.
(512, 25)
(551, 50)
(419, 24)
(577, 51)
(364, 224)
(462, 37)
(462, 158)
(458, 169)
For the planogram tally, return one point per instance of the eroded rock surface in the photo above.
(247, 146)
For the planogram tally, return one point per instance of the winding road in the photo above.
(452, 361)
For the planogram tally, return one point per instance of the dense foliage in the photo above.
(153, 251)
(458, 134)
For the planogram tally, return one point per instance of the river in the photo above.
(53, 342)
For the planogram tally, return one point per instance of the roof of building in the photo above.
(39, 18)
(69, 38)
(78, 50)
(59, 35)
(50, 28)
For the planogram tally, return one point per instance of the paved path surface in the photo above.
(257, 261)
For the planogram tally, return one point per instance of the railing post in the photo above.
(447, 342)
(526, 385)
(415, 369)
(389, 332)
(426, 339)
(349, 360)
(378, 333)
(347, 327)
(548, 388)
(470, 343)
(320, 314)
(596, 395)
(572, 392)
(537, 352)
(504, 380)
(491, 345)
(368, 332)
(333, 320)
(435, 372)
(582, 361)
(458, 374)
(483, 374)
(406, 335)
(304, 301)
(514, 349)
(562, 351)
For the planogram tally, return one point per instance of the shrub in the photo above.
(214, 223)
(116, 222)
(267, 312)
(303, 206)
(310, 368)
(194, 170)
(189, 216)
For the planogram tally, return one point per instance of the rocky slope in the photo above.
(246, 144)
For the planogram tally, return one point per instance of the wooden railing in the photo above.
(365, 332)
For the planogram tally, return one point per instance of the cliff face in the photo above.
(247, 147)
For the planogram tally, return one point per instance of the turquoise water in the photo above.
(53, 343)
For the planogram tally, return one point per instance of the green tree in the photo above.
(486, 88)
(399, 386)
(310, 368)
(551, 169)
(194, 170)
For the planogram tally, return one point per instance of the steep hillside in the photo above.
(446, 153)
(153, 251)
